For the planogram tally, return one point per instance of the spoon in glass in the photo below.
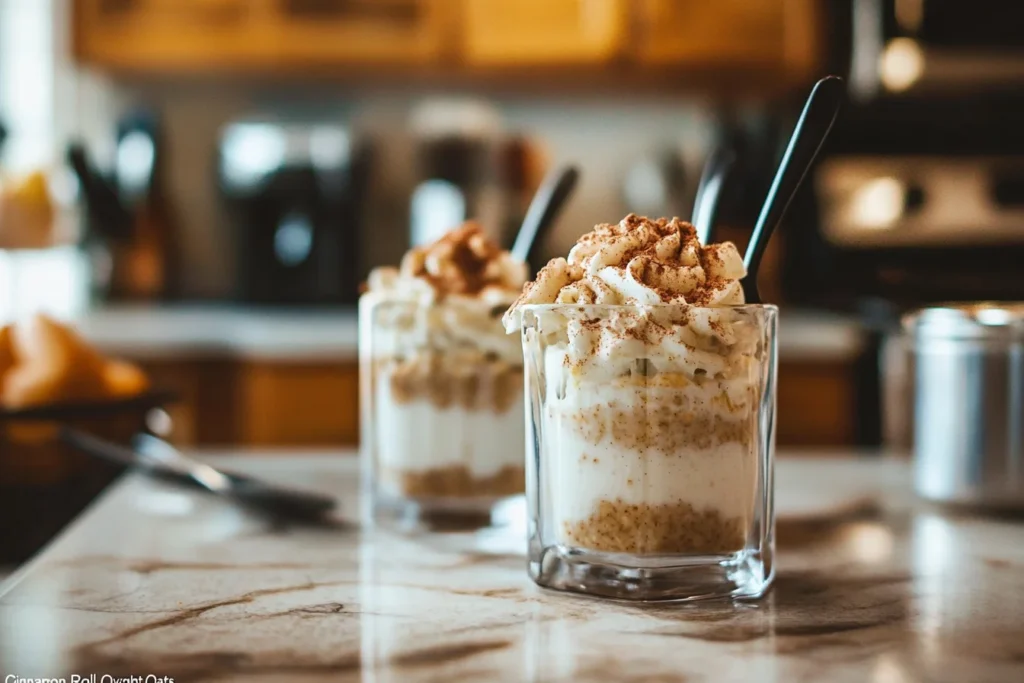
(547, 203)
(808, 137)
(709, 191)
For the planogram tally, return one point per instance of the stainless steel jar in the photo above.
(969, 403)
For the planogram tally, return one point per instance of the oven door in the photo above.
(920, 47)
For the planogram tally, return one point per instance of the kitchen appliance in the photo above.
(969, 403)
(295, 193)
(919, 196)
(950, 48)
(915, 204)
(468, 167)
(149, 265)
(130, 223)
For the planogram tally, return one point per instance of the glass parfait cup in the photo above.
(441, 401)
(650, 446)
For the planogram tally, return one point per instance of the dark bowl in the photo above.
(45, 484)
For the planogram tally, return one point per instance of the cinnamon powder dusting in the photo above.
(626, 262)
(462, 262)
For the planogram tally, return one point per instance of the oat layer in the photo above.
(457, 482)
(652, 425)
(447, 380)
(643, 529)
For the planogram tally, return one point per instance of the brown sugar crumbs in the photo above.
(661, 425)
(456, 481)
(642, 529)
(473, 384)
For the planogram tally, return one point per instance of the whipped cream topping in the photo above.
(638, 262)
(465, 262)
(446, 295)
(642, 290)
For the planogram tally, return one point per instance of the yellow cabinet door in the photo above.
(372, 32)
(542, 32)
(769, 34)
(162, 34)
(201, 35)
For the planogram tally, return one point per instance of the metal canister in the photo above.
(969, 403)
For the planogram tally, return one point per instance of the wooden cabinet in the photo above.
(229, 402)
(542, 32)
(571, 41)
(357, 31)
(151, 34)
(816, 404)
(307, 404)
(775, 34)
(193, 35)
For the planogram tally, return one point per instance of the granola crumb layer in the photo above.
(447, 380)
(456, 482)
(642, 529)
(641, 428)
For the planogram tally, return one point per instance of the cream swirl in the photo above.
(638, 262)
(465, 263)
(677, 295)
(447, 295)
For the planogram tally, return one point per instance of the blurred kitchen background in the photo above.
(199, 186)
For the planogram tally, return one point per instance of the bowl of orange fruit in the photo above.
(50, 377)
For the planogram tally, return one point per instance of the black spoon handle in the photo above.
(544, 209)
(807, 140)
(248, 491)
(709, 191)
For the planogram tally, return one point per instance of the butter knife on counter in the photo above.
(158, 458)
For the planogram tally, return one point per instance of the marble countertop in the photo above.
(153, 332)
(153, 580)
(146, 332)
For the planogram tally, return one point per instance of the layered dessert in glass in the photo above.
(651, 417)
(442, 388)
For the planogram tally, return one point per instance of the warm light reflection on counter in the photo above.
(871, 543)
(32, 634)
(889, 670)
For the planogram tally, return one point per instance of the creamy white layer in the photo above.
(603, 343)
(580, 475)
(403, 327)
(638, 377)
(608, 442)
(417, 436)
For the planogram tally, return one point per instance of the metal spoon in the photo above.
(807, 140)
(547, 203)
(162, 460)
(712, 179)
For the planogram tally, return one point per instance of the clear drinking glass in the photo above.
(442, 408)
(650, 446)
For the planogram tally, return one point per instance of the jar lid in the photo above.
(972, 320)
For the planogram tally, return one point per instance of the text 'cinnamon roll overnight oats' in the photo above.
(651, 390)
(442, 382)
